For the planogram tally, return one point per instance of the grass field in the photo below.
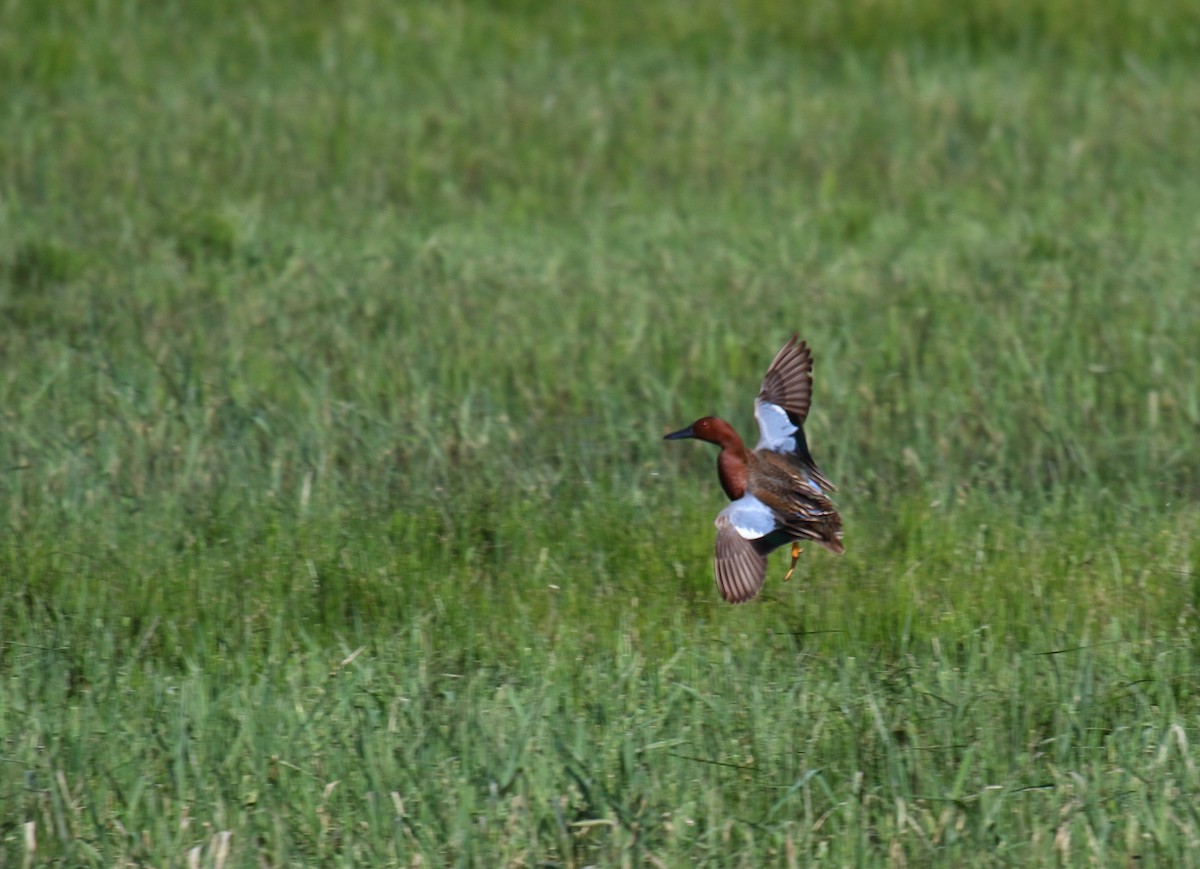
(337, 342)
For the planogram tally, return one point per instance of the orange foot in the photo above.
(796, 550)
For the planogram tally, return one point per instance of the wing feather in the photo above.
(788, 381)
(740, 568)
(782, 407)
(796, 494)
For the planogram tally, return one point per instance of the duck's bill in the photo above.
(679, 435)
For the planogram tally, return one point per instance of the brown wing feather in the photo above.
(788, 381)
(800, 509)
(740, 567)
(809, 522)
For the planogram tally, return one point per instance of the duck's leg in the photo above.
(796, 550)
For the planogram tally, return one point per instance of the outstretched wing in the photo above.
(782, 403)
(743, 528)
(740, 568)
(782, 406)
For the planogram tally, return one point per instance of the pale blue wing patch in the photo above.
(750, 517)
(777, 431)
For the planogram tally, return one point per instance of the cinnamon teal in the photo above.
(778, 493)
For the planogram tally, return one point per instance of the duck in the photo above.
(777, 493)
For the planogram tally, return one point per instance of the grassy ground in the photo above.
(336, 346)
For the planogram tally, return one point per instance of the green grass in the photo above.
(336, 346)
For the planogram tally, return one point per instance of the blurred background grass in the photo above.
(336, 342)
